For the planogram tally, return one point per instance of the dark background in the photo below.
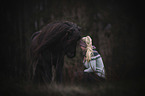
(116, 27)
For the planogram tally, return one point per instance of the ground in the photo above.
(107, 88)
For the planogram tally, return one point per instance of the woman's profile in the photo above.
(92, 59)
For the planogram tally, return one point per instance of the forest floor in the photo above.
(107, 88)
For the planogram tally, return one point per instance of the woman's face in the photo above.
(83, 48)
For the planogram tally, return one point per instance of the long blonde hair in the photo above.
(89, 49)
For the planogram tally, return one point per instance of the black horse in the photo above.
(48, 48)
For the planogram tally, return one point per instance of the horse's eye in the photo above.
(70, 35)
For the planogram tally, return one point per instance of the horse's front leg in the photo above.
(47, 73)
(43, 73)
(59, 69)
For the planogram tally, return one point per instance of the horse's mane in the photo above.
(53, 35)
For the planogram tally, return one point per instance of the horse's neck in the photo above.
(53, 56)
(57, 59)
(57, 55)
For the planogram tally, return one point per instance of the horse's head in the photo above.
(72, 37)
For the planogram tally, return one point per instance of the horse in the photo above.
(48, 48)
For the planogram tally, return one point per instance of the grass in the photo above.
(108, 88)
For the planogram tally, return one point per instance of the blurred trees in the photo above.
(111, 24)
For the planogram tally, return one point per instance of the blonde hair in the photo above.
(89, 49)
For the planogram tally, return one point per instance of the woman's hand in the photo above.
(84, 59)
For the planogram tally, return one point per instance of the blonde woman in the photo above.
(92, 60)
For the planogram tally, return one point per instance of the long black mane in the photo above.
(49, 46)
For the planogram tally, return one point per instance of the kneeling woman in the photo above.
(92, 60)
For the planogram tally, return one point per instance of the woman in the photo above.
(92, 59)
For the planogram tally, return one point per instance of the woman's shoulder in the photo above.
(95, 53)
